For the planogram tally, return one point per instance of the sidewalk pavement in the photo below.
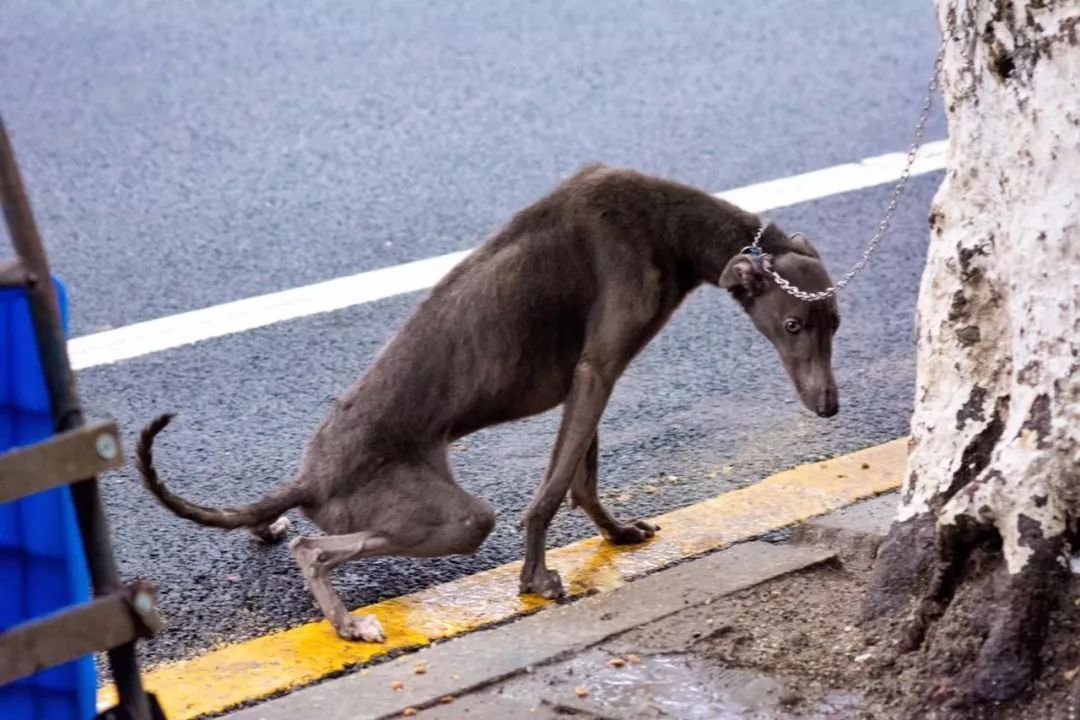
(577, 659)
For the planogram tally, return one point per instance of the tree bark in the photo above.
(974, 561)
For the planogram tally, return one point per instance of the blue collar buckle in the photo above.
(756, 254)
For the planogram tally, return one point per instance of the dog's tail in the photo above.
(265, 510)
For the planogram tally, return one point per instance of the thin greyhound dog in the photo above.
(550, 310)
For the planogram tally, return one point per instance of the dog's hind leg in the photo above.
(583, 494)
(317, 556)
(412, 511)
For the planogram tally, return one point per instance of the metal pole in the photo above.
(66, 411)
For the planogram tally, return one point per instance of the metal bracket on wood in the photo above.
(102, 624)
(65, 458)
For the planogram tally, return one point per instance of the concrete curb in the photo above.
(854, 532)
(473, 661)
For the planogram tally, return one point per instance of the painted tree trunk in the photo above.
(991, 504)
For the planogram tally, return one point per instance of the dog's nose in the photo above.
(828, 410)
(828, 404)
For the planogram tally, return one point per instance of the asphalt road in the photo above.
(188, 154)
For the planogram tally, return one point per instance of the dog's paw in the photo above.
(361, 627)
(546, 584)
(273, 533)
(631, 533)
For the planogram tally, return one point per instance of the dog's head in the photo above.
(801, 331)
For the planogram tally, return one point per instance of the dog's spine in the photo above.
(264, 510)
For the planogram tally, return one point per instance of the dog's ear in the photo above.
(801, 244)
(743, 273)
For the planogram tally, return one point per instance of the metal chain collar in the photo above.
(968, 18)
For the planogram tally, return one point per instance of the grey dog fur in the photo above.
(549, 311)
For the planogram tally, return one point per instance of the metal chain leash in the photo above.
(968, 18)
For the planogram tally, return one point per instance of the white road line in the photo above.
(143, 338)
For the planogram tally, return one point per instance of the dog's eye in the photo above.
(793, 325)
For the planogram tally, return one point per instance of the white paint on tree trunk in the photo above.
(999, 305)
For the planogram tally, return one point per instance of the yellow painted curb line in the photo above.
(287, 659)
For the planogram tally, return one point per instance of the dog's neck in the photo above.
(706, 238)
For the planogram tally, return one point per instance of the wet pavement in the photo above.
(660, 686)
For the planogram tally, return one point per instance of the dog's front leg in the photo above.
(584, 405)
(583, 494)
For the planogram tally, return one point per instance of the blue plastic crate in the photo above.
(42, 566)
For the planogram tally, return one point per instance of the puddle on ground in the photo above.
(671, 685)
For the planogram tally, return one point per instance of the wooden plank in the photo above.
(65, 458)
(99, 625)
